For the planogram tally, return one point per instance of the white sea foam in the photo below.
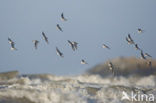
(76, 89)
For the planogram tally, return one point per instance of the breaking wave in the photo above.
(46, 88)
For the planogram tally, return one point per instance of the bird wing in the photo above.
(127, 39)
(136, 46)
(148, 55)
(75, 45)
(142, 55)
(36, 44)
(58, 52)
(72, 45)
(45, 38)
(44, 35)
(10, 41)
(58, 26)
(12, 45)
(62, 16)
(69, 42)
(107, 47)
(129, 36)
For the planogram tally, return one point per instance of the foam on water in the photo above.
(74, 89)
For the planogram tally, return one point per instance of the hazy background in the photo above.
(90, 23)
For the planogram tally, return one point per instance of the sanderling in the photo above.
(105, 46)
(136, 47)
(58, 27)
(45, 38)
(12, 44)
(111, 68)
(83, 61)
(140, 30)
(73, 44)
(35, 43)
(59, 53)
(129, 39)
(110, 65)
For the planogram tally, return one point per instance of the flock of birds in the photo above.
(74, 46)
(130, 41)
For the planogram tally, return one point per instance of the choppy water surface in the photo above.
(46, 88)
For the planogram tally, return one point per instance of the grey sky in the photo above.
(90, 23)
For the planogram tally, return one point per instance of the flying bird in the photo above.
(140, 30)
(58, 27)
(73, 44)
(136, 47)
(63, 18)
(129, 39)
(147, 55)
(111, 68)
(35, 43)
(142, 55)
(83, 61)
(129, 42)
(12, 44)
(59, 53)
(105, 46)
(45, 38)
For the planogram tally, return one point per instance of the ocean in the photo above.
(85, 88)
